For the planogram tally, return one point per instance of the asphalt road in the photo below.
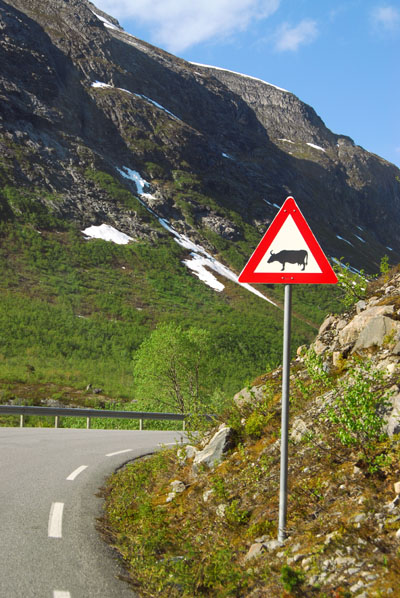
(49, 546)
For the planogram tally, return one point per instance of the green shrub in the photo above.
(291, 579)
(234, 515)
(358, 409)
(255, 424)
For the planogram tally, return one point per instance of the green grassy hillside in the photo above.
(73, 312)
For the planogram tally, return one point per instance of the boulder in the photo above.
(360, 306)
(299, 430)
(190, 451)
(375, 331)
(254, 551)
(212, 453)
(177, 486)
(350, 333)
(320, 347)
(327, 324)
(249, 395)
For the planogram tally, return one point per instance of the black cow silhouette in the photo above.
(299, 257)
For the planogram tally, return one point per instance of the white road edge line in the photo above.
(119, 452)
(61, 594)
(55, 520)
(75, 473)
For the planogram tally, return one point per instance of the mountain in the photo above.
(220, 150)
(179, 168)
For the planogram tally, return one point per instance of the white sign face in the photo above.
(288, 252)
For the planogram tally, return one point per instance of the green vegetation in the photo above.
(358, 411)
(74, 312)
(171, 368)
(352, 283)
(358, 405)
(144, 533)
(291, 579)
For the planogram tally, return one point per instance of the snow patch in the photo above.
(345, 240)
(363, 240)
(134, 176)
(218, 68)
(139, 95)
(287, 140)
(318, 147)
(346, 267)
(101, 84)
(197, 265)
(106, 22)
(227, 156)
(107, 233)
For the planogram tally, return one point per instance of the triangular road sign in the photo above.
(288, 253)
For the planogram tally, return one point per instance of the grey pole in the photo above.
(285, 414)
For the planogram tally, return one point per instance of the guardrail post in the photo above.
(183, 425)
(140, 424)
(21, 420)
(56, 420)
(88, 423)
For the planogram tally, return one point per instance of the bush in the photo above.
(358, 410)
(291, 579)
(255, 424)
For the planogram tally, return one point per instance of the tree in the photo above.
(170, 368)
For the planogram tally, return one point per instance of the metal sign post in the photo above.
(285, 413)
(287, 254)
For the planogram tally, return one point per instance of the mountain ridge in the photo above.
(276, 145)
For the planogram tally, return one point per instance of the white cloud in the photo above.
(289, 38)
(386, 17)
(179, 24)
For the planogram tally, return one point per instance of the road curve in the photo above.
(48, 508)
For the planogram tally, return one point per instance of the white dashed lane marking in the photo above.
(61, 594)
(55, 520)
(75, 473)
(119, 452)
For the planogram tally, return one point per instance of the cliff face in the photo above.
(219, 149)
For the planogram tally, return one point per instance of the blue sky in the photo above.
(341, 57)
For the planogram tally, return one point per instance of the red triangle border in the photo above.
(326, 276)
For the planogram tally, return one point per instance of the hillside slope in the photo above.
(202, 521)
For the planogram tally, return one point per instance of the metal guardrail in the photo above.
(58, 412)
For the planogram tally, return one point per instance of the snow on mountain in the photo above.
(105, 21)
(107, 233)
(201, 259)
(100, 85)
(317, 147)
(218, 68)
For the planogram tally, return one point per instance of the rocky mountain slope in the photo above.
(79, 97)
(202, 520)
